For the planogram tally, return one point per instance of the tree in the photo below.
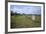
(12, 13)
(17, 13)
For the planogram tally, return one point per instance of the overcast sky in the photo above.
(26, 9)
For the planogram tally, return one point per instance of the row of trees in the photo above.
(15, 13)
(12, 13)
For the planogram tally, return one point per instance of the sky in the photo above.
(26, 9)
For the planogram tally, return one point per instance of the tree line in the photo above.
(14, 13)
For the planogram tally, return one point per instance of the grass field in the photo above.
(24, 21)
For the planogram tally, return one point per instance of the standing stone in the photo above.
(33, 17)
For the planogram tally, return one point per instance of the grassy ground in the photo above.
(25, 21)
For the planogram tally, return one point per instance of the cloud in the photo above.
(26, 9)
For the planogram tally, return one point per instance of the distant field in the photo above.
(25, 21)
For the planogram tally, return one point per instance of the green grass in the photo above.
(23, 21)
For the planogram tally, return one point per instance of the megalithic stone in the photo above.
(33, 17)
